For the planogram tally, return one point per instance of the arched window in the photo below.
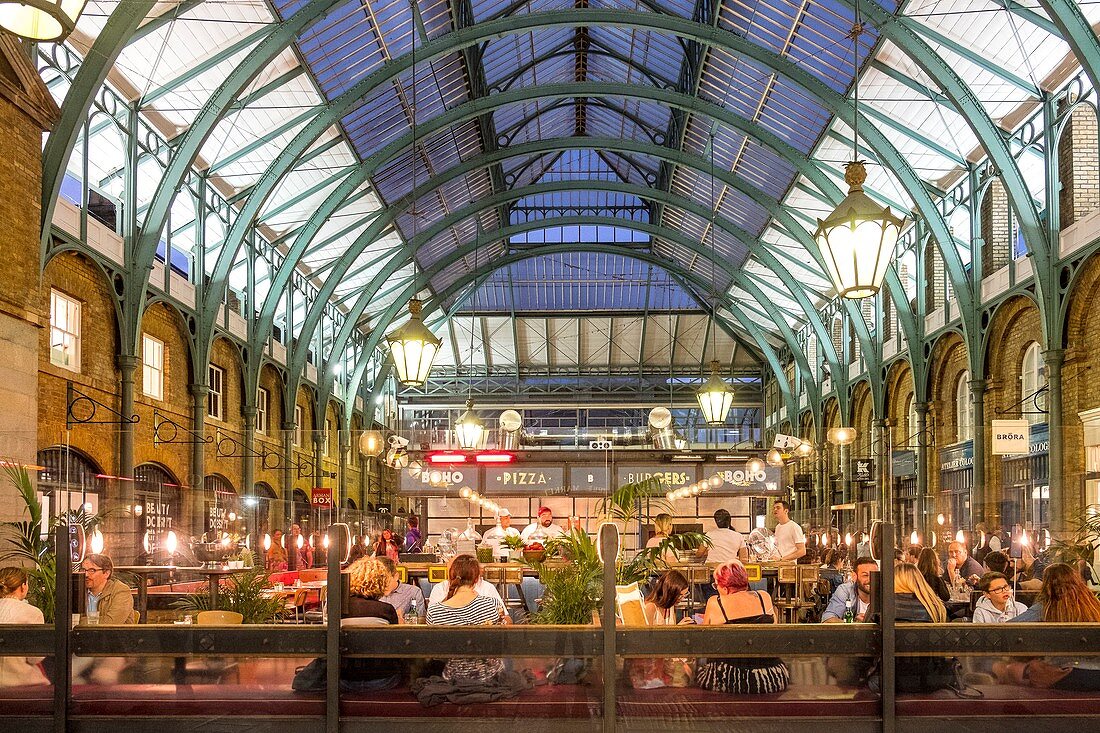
(1033, 378)
(158, 494)
(911, 437)
(68, 480)
(964, 408)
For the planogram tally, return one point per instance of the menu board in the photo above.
(524, 480)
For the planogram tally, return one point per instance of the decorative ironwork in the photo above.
(167, 431)
(1033, 398)
(80, 409)
(306, 469)
(230, 447)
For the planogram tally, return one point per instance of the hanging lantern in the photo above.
(857, 240)
(804, 450)
(41, 20)
(413, 348)
(754, 466)
(842, 436)
(715, 397)
(371, 443)
(914, 538)
(97, 542)
(775, 458)
(469, 429)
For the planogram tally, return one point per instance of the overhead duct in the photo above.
(510, 430)
(582, 438)
(662, 431)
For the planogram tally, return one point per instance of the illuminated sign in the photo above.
(670, 478)
(525, 481)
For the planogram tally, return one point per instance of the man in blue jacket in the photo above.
(855, 594)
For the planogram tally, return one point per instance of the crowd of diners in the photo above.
(927, 590)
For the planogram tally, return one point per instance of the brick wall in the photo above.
(21, 311)
(996, 228)
(948, 361)
(1014, 326)
(935, 276)
(1080, 377)
(1077, 166)
(899, 390)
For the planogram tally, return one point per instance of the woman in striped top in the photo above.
(464, 607)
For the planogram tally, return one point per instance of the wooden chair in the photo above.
(219, 618)
(317, 616)
(210, 669)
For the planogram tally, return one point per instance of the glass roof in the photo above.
(614, 128)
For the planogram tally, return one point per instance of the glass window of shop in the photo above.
(956, 481)
(68, 480)
(1026, 484)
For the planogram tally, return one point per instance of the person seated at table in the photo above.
(832, 567)
(961, 568)
(928, 563)
(996, 605)
(14, 609)
(912, 554)
(1064, 598)
(670, 588)
(914, 599)
(856, 593)
(109, 600)
(463, 605)
(736, 604)
(400, 595)
(358, 550)
(368, 580)
(276, 560)
(662, 532)
(997, 562)
(482, 586)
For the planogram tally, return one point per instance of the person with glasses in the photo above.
(996, 605)
(109, 601)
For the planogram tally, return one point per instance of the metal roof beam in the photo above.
(1078, 33)
(909, 82)
(1037, 20)
(909, 132)
(199, 68)
(973, 57)
(267, 137)
(304, 194)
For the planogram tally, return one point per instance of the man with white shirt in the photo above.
(504, 528)
(725, 544)
(542, 528)
(790, 540)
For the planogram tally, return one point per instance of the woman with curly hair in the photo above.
(368, 582)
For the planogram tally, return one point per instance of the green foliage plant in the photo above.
(29, 542)
(243, 593)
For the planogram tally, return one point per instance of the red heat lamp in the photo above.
(453, 458)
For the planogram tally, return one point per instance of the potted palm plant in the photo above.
(29, 541)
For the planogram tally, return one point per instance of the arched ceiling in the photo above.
(385, 147)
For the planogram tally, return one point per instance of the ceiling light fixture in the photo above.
(858, 238)
(715, 397)
(41, 20)
(413, 346)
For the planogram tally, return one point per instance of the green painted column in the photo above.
(925, 505)
(199, 394)
(1059, 506)
(248, 441)
(979, 494)
(127, 524)
(288, 428)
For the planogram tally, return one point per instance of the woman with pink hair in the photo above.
(736, 604)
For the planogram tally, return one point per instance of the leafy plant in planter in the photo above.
(243, 593)
(30, 541)
(575, 589)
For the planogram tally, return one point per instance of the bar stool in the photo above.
(787, 598)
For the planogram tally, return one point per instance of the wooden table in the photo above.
(143, 572)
